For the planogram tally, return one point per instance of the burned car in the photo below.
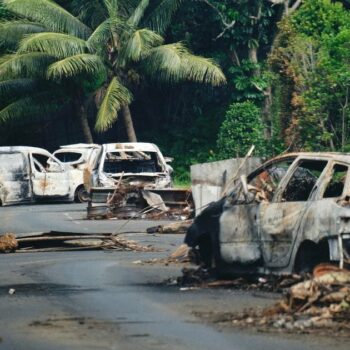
(79, 159)
(138, 163)
(128, 178)
(288, 215)
(29, 174)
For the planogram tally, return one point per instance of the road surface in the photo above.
(103, 300)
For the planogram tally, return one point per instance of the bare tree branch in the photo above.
(227, 25)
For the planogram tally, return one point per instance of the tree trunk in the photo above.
(266, 113)
(85, 125)
(129, 125)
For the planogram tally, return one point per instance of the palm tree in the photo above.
(61, 48)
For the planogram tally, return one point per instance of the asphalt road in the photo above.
(103, 300)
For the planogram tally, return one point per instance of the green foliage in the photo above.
(115, 97)
(316, 18)
(240, 130)
(110, 49)
(312, 61)
(247, 84)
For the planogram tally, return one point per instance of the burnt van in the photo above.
(28, 174)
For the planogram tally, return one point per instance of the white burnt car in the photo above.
(137, 163)
(28, 174)
(79, 159)
(290, 214)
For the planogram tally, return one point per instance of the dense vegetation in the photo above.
(286, 63)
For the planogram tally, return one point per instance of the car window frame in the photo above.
(315, 190)
(325, 184)
(263, 167)
(80, 160)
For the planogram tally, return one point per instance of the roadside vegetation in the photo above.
(203, 79)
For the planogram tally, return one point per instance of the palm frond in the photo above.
(139, 43)
(55, 44)
(174, 63)
(12, 32)
(5, 14)
(161, 16)
(91, 12)
(104, 32)
(127, 7)
(28, 65)
(74, 65)
(164, 62)
(201, 70)
(50, 14)
(115, 97)
(38, 104)
(112, 7)
(12, 87)
(138, 13)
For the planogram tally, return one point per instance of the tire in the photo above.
(81, 195)
(310, 255)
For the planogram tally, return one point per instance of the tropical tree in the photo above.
(105, 52)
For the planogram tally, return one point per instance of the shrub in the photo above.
(241, 129)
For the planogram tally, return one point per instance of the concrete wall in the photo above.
(209, 179)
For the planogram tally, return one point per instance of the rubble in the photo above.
(65, 241)
(8, 242)
(180, 227)
(126, 201)
(181, 255)
(320, 304)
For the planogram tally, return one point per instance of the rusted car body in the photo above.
(290, 214)
(137, 163)
(79, 160)
(29, 173)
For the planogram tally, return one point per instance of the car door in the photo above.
(323, 217)
(281, 219)
(14, 178)
(49, 179)
(240, 239)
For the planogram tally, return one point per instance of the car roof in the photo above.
(131, 146)
(26, 149)
(337, 156)
(80, 145)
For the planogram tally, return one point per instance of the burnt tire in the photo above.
(81, 195)
(310, 255)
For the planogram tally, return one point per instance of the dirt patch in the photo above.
(87, 332)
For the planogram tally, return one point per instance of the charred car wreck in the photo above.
(288, 215)
(28, 174)
(137, 163)
(129, 177)
(78, 160)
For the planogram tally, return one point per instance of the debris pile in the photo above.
(319, 303)
(180, 227)
(206, 278)
(8, 243)
(63, 241)
(126, 201)
(181, 255)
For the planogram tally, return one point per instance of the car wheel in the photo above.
(81, 195)
(310, 255)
